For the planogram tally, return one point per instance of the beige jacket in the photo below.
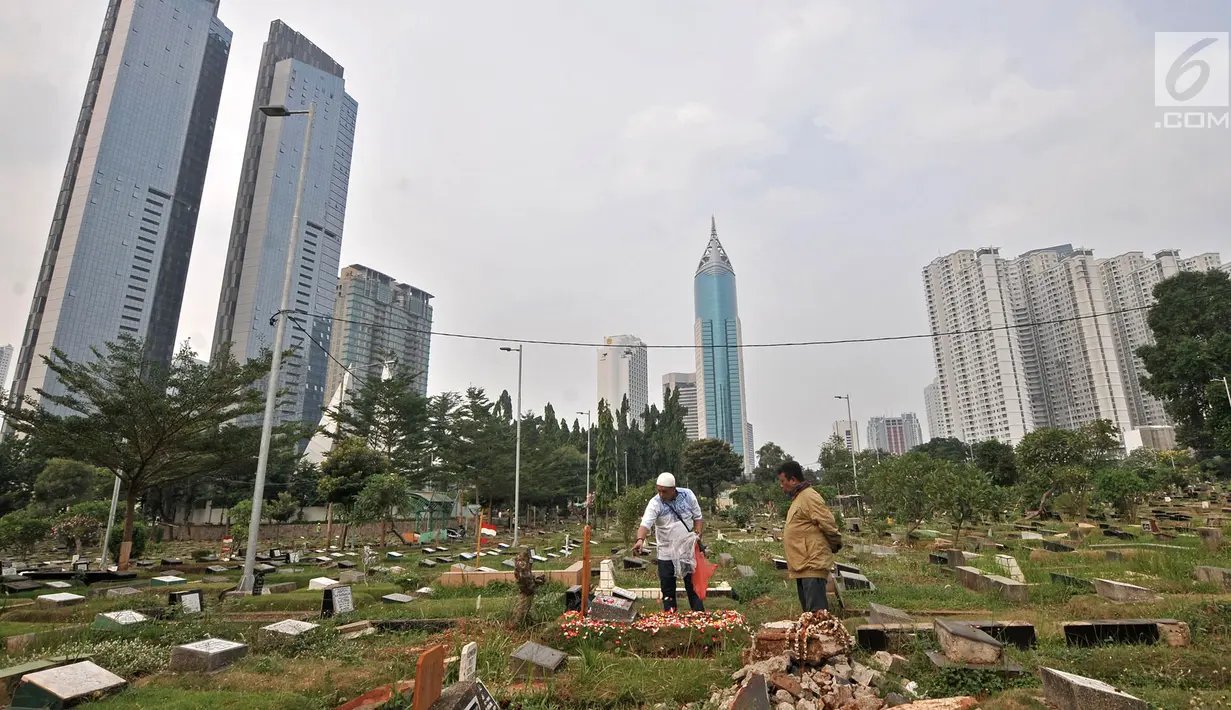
(809, 535)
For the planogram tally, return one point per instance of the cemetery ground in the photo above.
(339, 661)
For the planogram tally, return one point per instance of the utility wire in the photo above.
(745, 346)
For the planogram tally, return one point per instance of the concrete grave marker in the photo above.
(466, 695)
(1031, 536)
(1067, 691)
(1008, 563)
(112, 620)
(190, 602)
(427, 563)
(57, 584)
(59, 599)
(1082, 584)
(122, 592)
(633, 563)
(351, 576)
(469, 667)
(65, 686)
(611, 608)
(964, 643)
(534, 661)
(321, 583)
(745, 571)
(206, 656)
(1215, 575)
(780, 563)
(397, 598)
(851, 581)
(881, 614)
(337, 600)
(1123, 592)
(167, 581)
(285, 630)
(606, 579)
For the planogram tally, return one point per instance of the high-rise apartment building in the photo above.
(931, 403)
(298, 75)
(686, 383)
(377, 321)
(981, 391)
(848, 432)
(624, 371)
(1128, 280)
(897, 435)
(6, 359)
(1069, 353)
(750, 449)
(721, 405)
(126, 215)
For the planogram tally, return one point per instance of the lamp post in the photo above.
(517, 455)
(271, 390)
(1225, 385)
(854, 445)
(587, 503)
(115, 501)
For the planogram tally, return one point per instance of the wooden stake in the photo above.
(478, 548)
(585, 571)
(429, 677)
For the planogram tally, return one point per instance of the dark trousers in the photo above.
(666, 578)
(812, 593)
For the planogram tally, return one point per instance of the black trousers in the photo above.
(812, 593)
(666, 578)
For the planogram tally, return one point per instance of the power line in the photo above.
(745, 346)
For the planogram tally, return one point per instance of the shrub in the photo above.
(22, 530)
(740, 515)
(141, 536)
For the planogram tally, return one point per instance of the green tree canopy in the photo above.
(907, 487)
(945, 449)
(709, 464)
(63, 482)
(769, 457)
(997, 459)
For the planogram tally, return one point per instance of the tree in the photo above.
(945, 449)
(963, 493)
(146, 423)
(606, 466)
(22, 530)
(997, 459)
(630, 506)
(382, 494)
(1191, 324)
(835, 461)
(670, 434)
(64, 482)
(82, 523)
(346, 470)
(711, 463)
(20, 463)
(393, 418)
(282, 508)
(769, 457)
(904, 487)
(1121, 488)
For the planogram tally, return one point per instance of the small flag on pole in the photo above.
(489, 532)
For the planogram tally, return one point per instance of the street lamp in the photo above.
(247, 581)
(517, 455)
(1225, 385)
(854, 445)
(587, 503)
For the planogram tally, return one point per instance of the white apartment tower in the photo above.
(848, 432)
(980, 390)
(931, 403)
(686, 383)
(1128, 281)
(897, 435)
(623, 371)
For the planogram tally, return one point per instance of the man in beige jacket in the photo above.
(810, 536)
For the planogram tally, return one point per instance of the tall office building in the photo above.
(1069, 358)
(126, 215)
(721, 412)
(931, 403)
(6, 358)
(897, 435)
(848, 432)
(377, 321)
(750, 449)
(624, 371)
(981, 391)
(297, 74)
(686, 383)
(1128, 280)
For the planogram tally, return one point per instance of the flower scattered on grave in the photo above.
(713, 624)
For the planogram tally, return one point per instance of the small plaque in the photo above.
(469, 664)
(337, 600)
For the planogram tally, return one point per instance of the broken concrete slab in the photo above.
(881, 614)
(852, 581)
(971, 578)
(1067, 691)
(1008, 563)
(1214, 575)
(1008, 588)
(964, 643)
(1084, 585)
(1123, 591)
(889, 637)
(1128, 631)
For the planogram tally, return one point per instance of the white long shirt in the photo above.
(668, 530)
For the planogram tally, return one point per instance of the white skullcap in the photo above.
(666, 480)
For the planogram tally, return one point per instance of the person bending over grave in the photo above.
(675, 516)
(810, 536)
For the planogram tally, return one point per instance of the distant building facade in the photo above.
(378, 320)
(624, 371)
(897, 435)
(6, 358)
(848, 432)
(932, 404)
(686, 383)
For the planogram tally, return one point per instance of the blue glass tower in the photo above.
(720, 361)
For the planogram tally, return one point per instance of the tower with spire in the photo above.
(721, 409)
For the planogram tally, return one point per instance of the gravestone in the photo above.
(429, 677)
(285, 630)
(321, 583)
(1084, 585)
(1215, 575)
(1031, 536)
(572, 598)
(1053, 546)
(394, 556)
(1128, 631)
(881, 614)
(780, 563)
(1122, 591)
(280, 588)
(1019, 633)
(469, 666)
(112, 620)
(1008, 588)
(170, 561)
(349, 564)
(964, 643)
(190, 602)
(1008, 563)
(1211, 538)
(745, 571)
(337, 600)
(206, 656)
(610, 608)
(726, 559)
(855, 582)
(533, 661)
(59, 599)
(397, 598)
(633, 563)
(427, 563)
(258, 581)
(468, 556)
(606, 579)
(843, 567)
(351, 576)
(65, 686)
(120, 592)
(22, 586)
(466, 695)
(511, 564)
(1067, 691)
(167, 581)
(216, 569)
(57, 584)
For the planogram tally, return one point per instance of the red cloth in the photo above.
(701, 575)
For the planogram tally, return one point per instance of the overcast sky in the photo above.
(547, 169)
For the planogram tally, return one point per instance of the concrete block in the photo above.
(964, 643)
(1215, 575)
(1123, 592)
(206, 656)
(1008, 588)
(1066, 691)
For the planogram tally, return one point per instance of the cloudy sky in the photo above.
(548, 169)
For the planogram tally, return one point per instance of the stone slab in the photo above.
(1123, 591)
(852, 581)
(533, 661)
(206, 656)
(964, 643)
(285, 630)
(59, 599)
(1004, 666)
(1083, 584)
(1009, 589)
(112, 620)
(745, 571)
(881, 614)
(397, 598)
(65, 685)
(168, 580)
(1066, 691)
(971, 578)
(1018, 633)
(321, 583)
(1214, 575)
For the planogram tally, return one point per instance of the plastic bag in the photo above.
(701, 576)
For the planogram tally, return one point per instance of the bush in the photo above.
(740, 515)
(22, 530)
(141, 536)
(746, 589)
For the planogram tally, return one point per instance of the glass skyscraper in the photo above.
(126, 215)
(294, 73)
(721, 410)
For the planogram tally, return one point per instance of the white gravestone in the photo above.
(469, 665)
(206, 656)
(67, 684)
(59, 599)
(322, 583)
